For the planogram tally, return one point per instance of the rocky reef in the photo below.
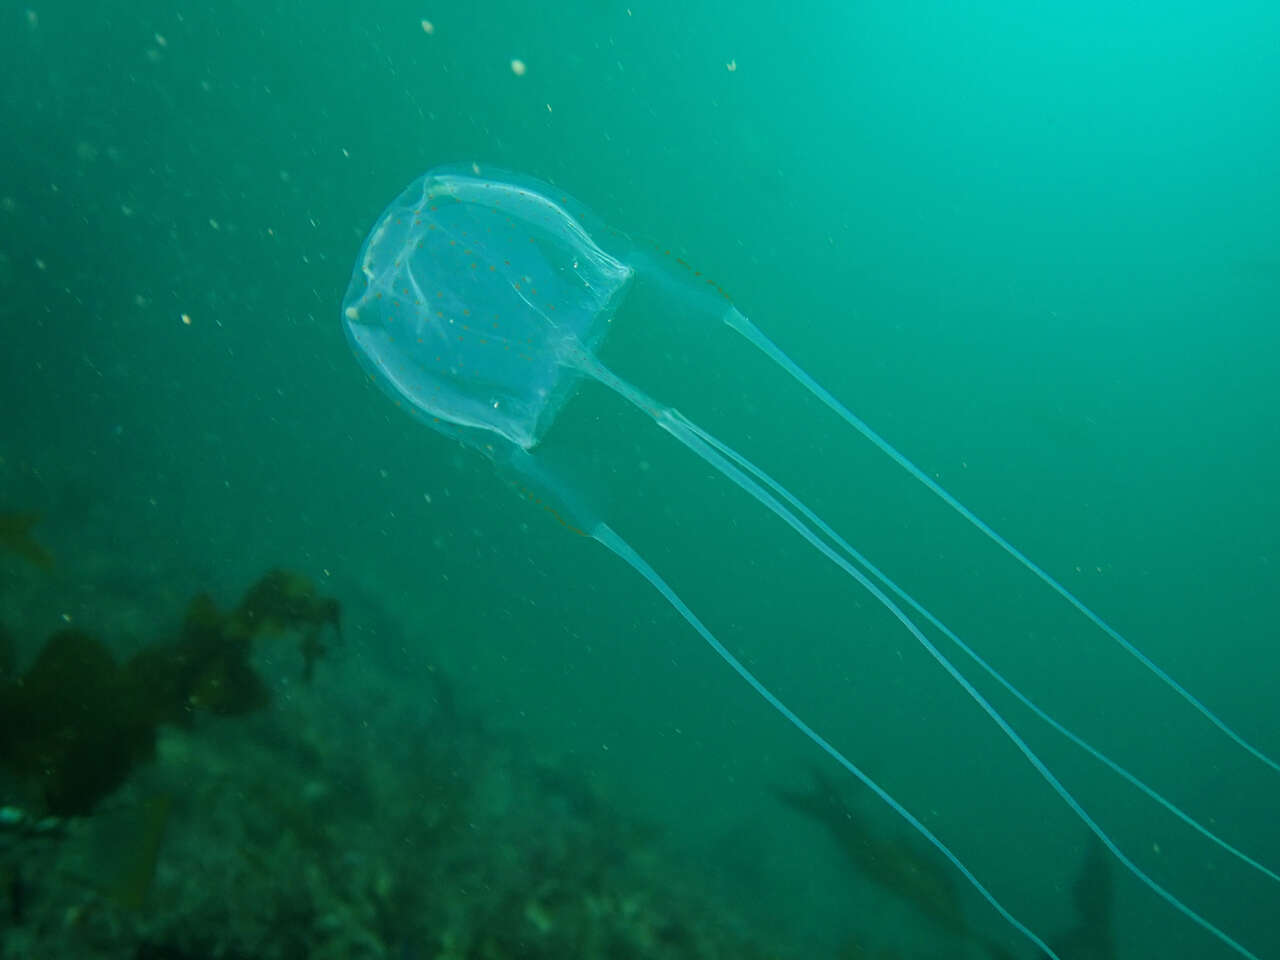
(199, 799)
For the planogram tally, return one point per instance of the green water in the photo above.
(1034, 247)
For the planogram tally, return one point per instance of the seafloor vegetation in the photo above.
(170, 802)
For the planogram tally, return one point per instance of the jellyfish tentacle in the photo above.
(675, 423)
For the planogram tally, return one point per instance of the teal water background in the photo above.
(1034, 247)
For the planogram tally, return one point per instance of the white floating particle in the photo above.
(186, 319)
(731, 66)
(428, 27)
(518, 67)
